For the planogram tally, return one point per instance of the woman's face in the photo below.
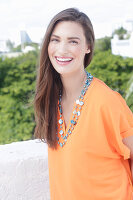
(67, 47)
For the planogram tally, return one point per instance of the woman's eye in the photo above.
(54, 40)
(74, 42)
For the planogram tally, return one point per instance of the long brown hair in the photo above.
(48, 80)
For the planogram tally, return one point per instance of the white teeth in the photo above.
(63, 59)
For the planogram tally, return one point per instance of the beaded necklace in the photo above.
(76, 112)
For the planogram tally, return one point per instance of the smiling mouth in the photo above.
(63, 60)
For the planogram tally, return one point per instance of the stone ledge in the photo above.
(24, 171)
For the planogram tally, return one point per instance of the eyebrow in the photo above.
(68, 37)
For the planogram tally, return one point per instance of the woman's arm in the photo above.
(128, 141)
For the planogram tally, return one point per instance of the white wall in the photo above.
(122, 47)
(24, 171)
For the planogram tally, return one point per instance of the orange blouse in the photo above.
(93, 164)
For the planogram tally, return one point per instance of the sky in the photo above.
(35, 15)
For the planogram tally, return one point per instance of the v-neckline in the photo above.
(64, 127)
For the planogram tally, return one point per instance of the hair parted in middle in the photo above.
(49, 81)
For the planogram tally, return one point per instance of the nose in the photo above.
(63, 48)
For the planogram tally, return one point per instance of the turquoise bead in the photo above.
(81, 103)
(73, 122)
(61, 144)
(60, 121)
(78, 113)
(83, 92)
(61, 132)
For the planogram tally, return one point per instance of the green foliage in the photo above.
(17, 49)
(17, 83)
(103, 44)
(122, 33)
(10, 45)
(114, 70)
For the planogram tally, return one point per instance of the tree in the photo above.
(103, 44)
(17, 49)
(122, 33)
(10, 44)
(114, 70)
(17, 85)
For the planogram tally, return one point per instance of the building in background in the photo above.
(25, 46)
(122, 47)
(25, 39)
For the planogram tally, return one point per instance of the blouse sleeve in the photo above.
(118, 122)
(126, 118)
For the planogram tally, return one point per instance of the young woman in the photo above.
(88, 127)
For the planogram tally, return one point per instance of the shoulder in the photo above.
(102, 88)
(105, 96)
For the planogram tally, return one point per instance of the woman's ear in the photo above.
(88, 50)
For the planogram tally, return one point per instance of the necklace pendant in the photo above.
(83, 92)
(74, 112)
(81, 103)
(60, 121)
(61, 144)
(77, 101)
(61, 132)
(69, 131)
(73, 122)
(78, 113)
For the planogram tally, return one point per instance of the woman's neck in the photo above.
(73, 84)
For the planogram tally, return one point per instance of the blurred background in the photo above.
(23, 25)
